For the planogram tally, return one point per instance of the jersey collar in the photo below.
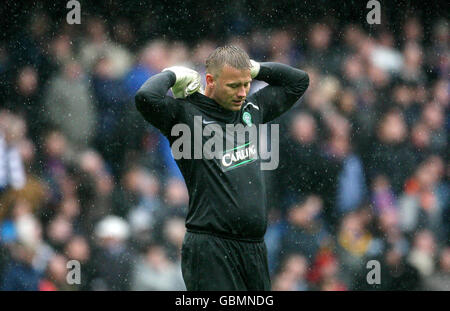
(210, 104)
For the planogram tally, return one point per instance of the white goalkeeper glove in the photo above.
(254, 70)
(187, 82)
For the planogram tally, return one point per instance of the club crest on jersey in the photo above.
(247, 118)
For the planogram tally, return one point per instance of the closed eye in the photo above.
(246, 84)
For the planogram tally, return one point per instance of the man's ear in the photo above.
(210, 81)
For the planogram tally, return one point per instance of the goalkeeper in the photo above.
(224, 247)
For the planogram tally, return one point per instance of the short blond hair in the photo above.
(230, 55)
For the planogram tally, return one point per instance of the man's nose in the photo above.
(242, 92)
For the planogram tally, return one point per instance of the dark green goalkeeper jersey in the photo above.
(227, 194)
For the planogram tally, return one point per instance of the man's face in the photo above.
(231, 87)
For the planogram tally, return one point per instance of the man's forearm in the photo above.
(295, 81)
(152, 100)
(286, 86)
(154, 89)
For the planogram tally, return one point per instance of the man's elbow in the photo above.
(305, 80)
(302, 84)
(139, 100)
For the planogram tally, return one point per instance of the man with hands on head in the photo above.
(224, 247)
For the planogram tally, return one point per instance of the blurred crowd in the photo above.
(363, 172)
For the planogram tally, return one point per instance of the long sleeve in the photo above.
(154, 104)
(286, 86)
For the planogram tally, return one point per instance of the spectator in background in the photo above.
(6, 73)
(61, 50)
(412, 66)
(322, 97)
(433, 116)
(35, 189)
(56, 155)
(30, 253)
(354, 74)
(383, 55)
(5, 258)
(292, 274)
(142, 216)
(59, 231)
(347, 104)
(381, 83)
(70, 210)
(305, 233)
(282, 47)
(110, 97)
(352, 37)
(174, 231)
(127, 195)
(29, 229)
(19, 274)
(396, 274)
(404, 97)
(26, 100)
(155, 271)
(318, 53)
(390, 154)
(351, 187)
(423, 253)
(123, 34)
(179, 54)
(8, 225)
(55, 159)
(12, 131)
(113, 259)
(69, 105)
(77, 248)
(175, 205)
(437, 54)
(383, 197)
(95, 190)
(98, 44)
(440, 93)
(420, 142)
(275, 230)
(324, 273)
(353, 243)
(303, 151)
(413, 30)
(440, 279)
(399, 275)
(55, 275)
(29, 47)
(389, 233)
(151, 60)
(425, 198)
(198, 55)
